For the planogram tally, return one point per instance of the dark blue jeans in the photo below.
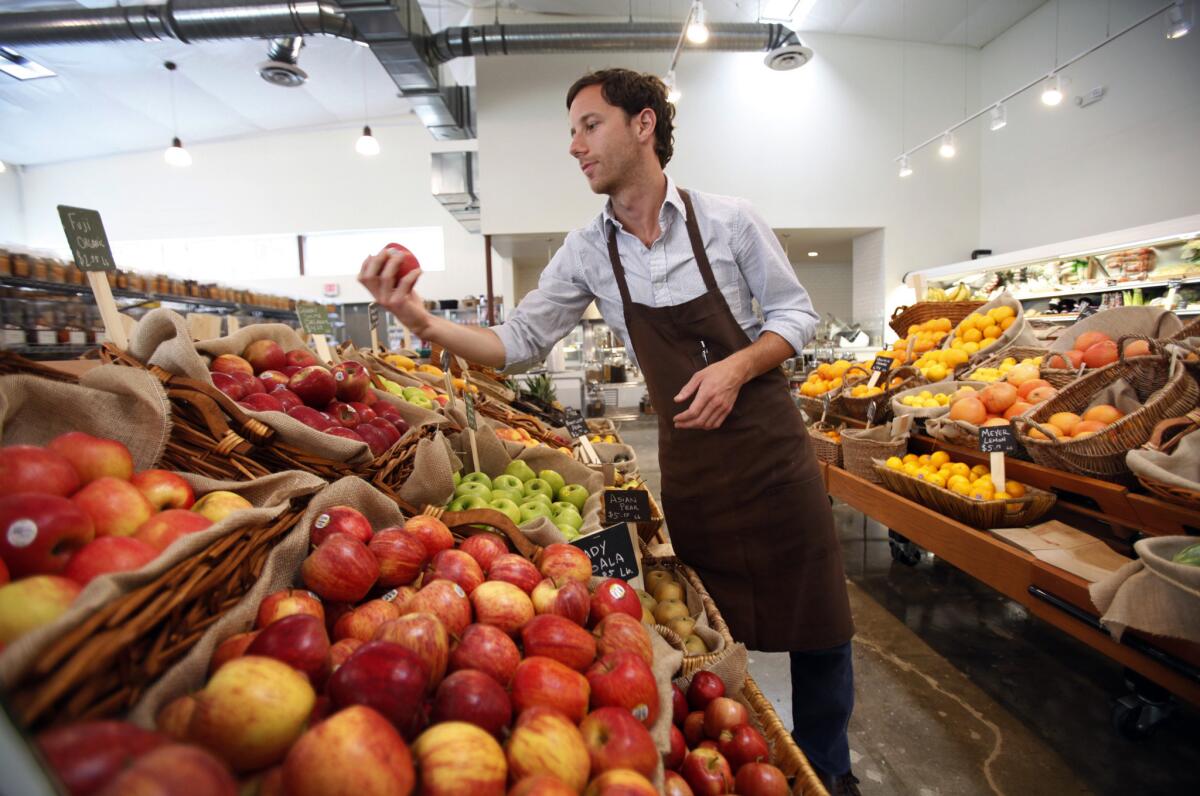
(822, 700)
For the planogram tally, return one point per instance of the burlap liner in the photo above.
(695, 605)
(608, 452)
(947, 387)
(279, 572)
(1153, 594)
(1019, 334)
(161, 338)
(1118, 322)
(432, 480)
(270, 496)
(1180, 467)
(493, 458)
(124, 404)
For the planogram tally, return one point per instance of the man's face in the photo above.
(604, 140)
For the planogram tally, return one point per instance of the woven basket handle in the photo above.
(896, 313)
(911, 372)
(1156, 347)
(464, 522)
(1023, 424)
(1183, 425)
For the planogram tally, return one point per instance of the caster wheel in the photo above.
(1137, 715)
(903, 551)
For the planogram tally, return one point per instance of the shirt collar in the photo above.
(673, 198)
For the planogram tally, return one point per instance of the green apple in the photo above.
(468, 502)
(561, 506)
(473, 488)
(420, 399)
(515, 495)
(508, 482)
(575, 494)
(552, 478)
(508, 508)
(480, 478)
(569, 532)
(537, 486)
(532, 509)
(457, 478)
(521, 470)
(545, 501)
(571, 518)
(407, 393)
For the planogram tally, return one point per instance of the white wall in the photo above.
(300, 181)
(810, 148)
(1132, 158)
(12, 215)
(870, 285)
(830, 287)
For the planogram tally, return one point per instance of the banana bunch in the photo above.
(959, 292)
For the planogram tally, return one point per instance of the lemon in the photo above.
(957, 480)
(960, 468)
(936, 480)
(962, 487)
(980, 471)
(939, 458)
(909, 457)
(1014, 488)
(894, 463)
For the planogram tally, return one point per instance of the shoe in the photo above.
(845, 785)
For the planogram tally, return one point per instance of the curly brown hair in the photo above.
(633, 92)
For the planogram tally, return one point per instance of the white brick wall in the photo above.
(830, 286)
(869, 289)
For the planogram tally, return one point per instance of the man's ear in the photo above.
(646, 120)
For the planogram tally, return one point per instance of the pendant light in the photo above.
(1178, 20)
(999, 118)
(905, 166)
(673, 92)
(948, 148)
(367, 144)
(175, 154)
(697, 29)
(1052, 91)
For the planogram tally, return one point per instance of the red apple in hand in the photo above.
(299, 641)
(107, 555)
(93, 457)
(547, 683)
(38, 533)
(743, 744)
(432, 532)
(707, 772)
(512, 568)
(385, 677)
(315, 386)
(164, 489)
(116, 507)
(408, 264)
(279, 604)
(501, 604)
(177, 768)
(340, 519)
(233, 647)
(704, 688)
(567, 562)
(87, 755)
(615, 739)
(28, 468)
(354, 752)
(487, 649)
(612, 596)
(353, 381)
(165, 527)
(341, 569)
(473, 697)
(459, 567)
(622, 679)
(423, 634)
(761, 779)
(362, 622)
(459, 758)
(559, 638)
(723, 714)
(447, 601)
(544, 741)
(401, 556)
(570, 601)
(265, 355)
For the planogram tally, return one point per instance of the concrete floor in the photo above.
(960, 691)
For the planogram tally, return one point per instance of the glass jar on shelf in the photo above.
(40, 328)
(12, 323)
(73, 331)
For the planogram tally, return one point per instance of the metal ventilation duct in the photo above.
(453, 178)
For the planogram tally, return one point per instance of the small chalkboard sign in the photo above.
(997, 439)
(576, 426)
(611, 552)
(86, 237)
(373, 314)
(314, 318)
(882, 364)
(472, 423)
(626, 505)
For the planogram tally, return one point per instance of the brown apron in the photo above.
(745, 503)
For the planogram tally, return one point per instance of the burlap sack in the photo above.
(666, 663)
(1153, 594)
(1155, 322)
(1019, 334)
(609, 451)
(281, 571)
(270, 496)
(947, 387)
(432, 480)
(1120, 394)
(1180, 467)
(124, 404)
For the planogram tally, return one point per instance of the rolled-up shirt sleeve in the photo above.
(546, 313)
(787, 309)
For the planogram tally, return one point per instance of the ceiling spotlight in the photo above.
(947, 149)
(367, 145)
(905, 167)
(1178, 20)
(176, 155)
(280, 68)
(697, 29)
(813, 254)
(999, 117)
(1052, 91)
(673, 92)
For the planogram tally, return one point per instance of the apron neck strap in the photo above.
(618, 270)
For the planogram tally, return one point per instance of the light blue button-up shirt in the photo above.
(747, 262)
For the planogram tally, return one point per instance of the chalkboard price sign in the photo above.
(626, 505)
(373, 314)
(314, 318)
(85, 235)
(472, 423)
(576, 425)
(997, 439)
(611, 552)
(882, 364)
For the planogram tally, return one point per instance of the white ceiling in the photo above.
(111, 98)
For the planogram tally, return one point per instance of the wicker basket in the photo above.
(1018, 334)
(824, 447)
(861, 451)
(101, 667)
(814, 407)
(904, 317)
(1163, 395)
(1019, 353)
(859, 408)
(693, 663)
(1005, 513)
(1165, 438)
(922, 413)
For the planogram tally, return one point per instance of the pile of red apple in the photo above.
(337, 400)
(414, 665)
(714, 749)
(74, 510)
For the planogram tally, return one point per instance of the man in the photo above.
(675, 273)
